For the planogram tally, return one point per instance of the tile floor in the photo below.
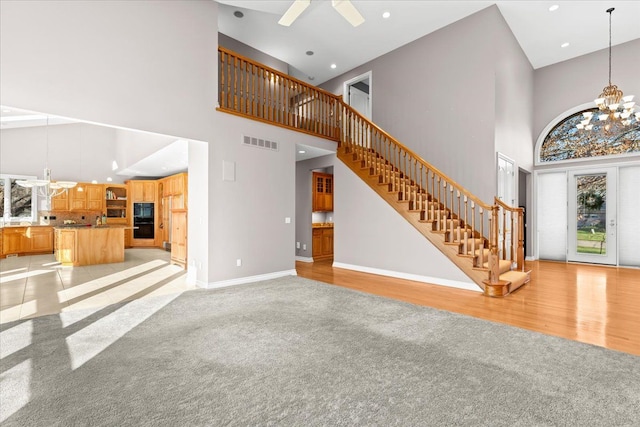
(37, 285)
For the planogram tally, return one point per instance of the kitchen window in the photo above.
(16, 203)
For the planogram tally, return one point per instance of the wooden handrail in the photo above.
(484, 231)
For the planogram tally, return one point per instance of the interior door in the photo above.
(592, 234)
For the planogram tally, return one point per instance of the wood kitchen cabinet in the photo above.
(27, 240)
(322, 243)
(60, 202)
(179, 237)
(85, 197)
(322, 192)
(142, 191)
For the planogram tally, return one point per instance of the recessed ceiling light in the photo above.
(554, 8)
(333, 66)
(238, 14)
(386, 15)
(301, 151)
(309, 52)
(565, 44)
(109, 179)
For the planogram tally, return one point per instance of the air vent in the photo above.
(259, 143)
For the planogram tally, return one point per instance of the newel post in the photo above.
(494, 266)
(521, 239)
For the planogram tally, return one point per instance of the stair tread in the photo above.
(503, 265)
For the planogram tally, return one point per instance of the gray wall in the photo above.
(152, 66)
(369, 233)
(456, 96)
(568, 84)
(252, 53)
(304, 194)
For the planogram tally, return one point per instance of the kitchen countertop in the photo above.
(88, 226)
(24, 225)
(322, 225)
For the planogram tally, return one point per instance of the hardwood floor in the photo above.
(591, 304)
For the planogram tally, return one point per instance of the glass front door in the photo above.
(592, 216)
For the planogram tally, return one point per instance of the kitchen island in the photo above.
(89, 245)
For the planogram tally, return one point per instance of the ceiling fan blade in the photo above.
(296, 8)
(348, 11)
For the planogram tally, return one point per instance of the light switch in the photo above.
(287, 220)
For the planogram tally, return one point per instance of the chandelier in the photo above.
(613, 106)
(45, 187)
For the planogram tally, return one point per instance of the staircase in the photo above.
(484, 241)
(434, 220)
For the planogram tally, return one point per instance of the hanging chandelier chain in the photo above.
(610, 12)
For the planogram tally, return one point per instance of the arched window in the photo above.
(566, 142)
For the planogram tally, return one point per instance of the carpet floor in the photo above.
(292, 352)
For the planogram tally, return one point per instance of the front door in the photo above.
(592, 216)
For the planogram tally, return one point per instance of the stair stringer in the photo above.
(464, 264)
(440, 255)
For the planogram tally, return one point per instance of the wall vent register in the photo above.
(259, 143)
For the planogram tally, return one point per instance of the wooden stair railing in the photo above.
(485, 241)
(253, 90)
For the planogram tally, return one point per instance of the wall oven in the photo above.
(143, 221)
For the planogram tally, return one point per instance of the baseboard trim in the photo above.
(248, 279)
(304, 259)
(408, 276)
(529, 258)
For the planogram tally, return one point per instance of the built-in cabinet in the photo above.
(142, 191)
(115, 203)
(322, 192)
(26, 240)
(85, 197)
(322, 242)
(179, 237)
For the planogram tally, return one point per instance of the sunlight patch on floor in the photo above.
(15, 389)
(88, 306)
(5, 279)
(88, 342)
(2, 273)
(16, 338)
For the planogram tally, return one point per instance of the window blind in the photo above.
(628, 216)
(552, 216)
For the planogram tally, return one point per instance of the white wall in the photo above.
(147, 65)
(132, 147)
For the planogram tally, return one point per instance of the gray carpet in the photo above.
(292, 352)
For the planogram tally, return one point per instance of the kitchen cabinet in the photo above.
(60, 202)
(89, 245)
(179, 237)
(115, 203)
(27, 240)
(142, 191)
(322, 242)
(322, 192)
(175, 187)
(85, 197)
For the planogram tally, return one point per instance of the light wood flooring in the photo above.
(591, 304)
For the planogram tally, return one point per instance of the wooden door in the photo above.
(179, 237)
(327, 241)
(316, 242)
(318, 192)
(328, 193)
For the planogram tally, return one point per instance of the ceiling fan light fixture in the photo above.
(295, 10)
(348, 11)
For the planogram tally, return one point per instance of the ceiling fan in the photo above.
(344, 8)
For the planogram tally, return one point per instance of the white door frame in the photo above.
(345, 90)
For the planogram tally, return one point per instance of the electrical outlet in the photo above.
(238, 262)
(297, 245)
(304, 247)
